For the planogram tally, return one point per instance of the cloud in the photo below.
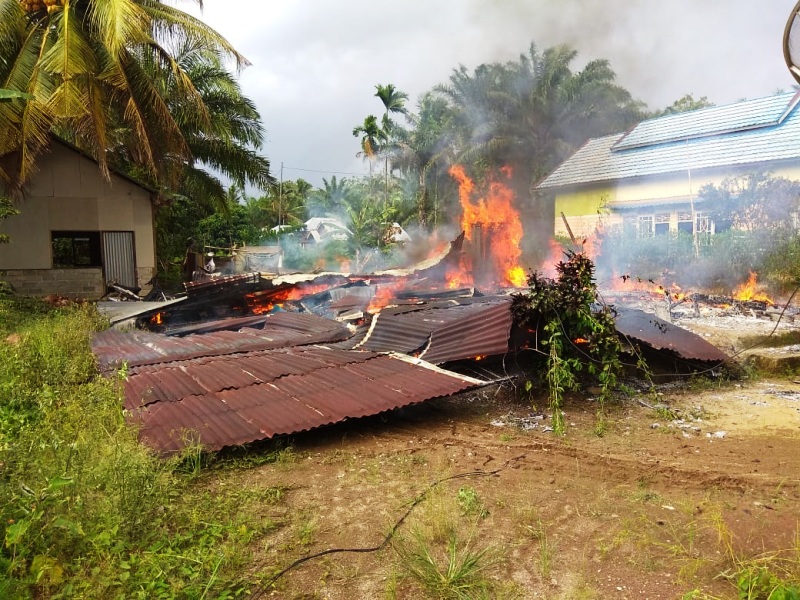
(315, 64)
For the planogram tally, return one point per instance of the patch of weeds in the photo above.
(306, 529)
(601, 424)
(664, 412)
(246, 457)
(507, 437)
(455, 571)
(471, 504)
(85, 509)
(682, 544)
(620, 538)
(760, 583)
(644, 494)
(773, 576)
(538, 532)
(285, 456)
(699, 412)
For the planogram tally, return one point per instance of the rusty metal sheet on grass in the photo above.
(333, 385)
(661, 335)
(114, 348)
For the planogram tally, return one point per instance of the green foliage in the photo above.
(224, 230)
(85, 509)
(456, 573)
(470, 503)
(685, 103)
(6, 210)
(108, 76)
(724, 260)
(781, 264)
(759, 583)
(754, 201)
(578, 335)
(626, 253)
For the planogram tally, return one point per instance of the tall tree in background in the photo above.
(330, 197)
(228, 142)
(425, 152)
(394, 102)
(685, 103)
(533, 113)
(89, 66)
(372, 138)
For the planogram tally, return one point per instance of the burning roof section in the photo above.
(231, 400)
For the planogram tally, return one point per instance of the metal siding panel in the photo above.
(119, 257)
(661, 335)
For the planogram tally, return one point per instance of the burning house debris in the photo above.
(248, 357)
(294, 367)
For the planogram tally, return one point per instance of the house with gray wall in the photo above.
(77, 230)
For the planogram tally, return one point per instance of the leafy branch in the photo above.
(579, 332)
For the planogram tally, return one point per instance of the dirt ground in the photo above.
(641, 506)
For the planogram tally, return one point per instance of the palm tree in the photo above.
(533, 113)
(394, 103)
(88, 65)
(372, 138)
(424, 152)
(227, 142)
(330, 196)
(9, 95)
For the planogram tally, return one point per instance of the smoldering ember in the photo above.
(251, 355)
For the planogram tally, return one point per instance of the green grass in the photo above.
(455, 572)
(87, 511)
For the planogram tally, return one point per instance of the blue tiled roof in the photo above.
(748, 132)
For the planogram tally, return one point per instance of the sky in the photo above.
(315, 63)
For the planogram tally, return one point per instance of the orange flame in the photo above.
(265, 301)
(626, 283)
(384, 294)
(748, 291)
(493, 212)
(157, 319)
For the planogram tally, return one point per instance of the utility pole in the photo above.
(280, 201)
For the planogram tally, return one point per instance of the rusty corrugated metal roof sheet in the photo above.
(225, 401)
(225, 282)
(113, 348)
(444, 331)
(230, 324)
(661, 335)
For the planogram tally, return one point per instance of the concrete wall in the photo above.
(68, 193)
(73, 283)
